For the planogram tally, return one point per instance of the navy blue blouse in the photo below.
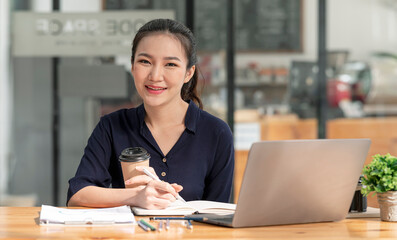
(202, 160)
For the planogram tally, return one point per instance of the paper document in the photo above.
(97, 216)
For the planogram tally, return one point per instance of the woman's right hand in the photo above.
(152, 194)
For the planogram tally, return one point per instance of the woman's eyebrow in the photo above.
(145, 55)
(165, 58)
(173, 58)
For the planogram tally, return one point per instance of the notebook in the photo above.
(180, 208)
(297, 181)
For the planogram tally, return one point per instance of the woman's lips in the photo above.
(155, 89)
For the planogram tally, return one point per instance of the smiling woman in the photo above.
(188, 147)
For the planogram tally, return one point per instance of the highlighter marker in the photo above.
(147, 225)
(143, 226)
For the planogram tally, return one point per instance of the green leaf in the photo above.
(380, 175)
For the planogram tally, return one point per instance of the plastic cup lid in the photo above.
(134, 154)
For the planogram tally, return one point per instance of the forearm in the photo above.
(93, 196)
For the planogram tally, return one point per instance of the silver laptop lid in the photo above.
(299, 181)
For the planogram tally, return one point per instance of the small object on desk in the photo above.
(157, 179)
(143, 226)
(160, 226)
(189, 224)
(180, 218)
(167, 224)
(359, 203)
(370, 213)
(147, 225)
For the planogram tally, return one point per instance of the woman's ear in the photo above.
(189, 74)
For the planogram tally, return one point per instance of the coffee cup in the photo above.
(132, 157)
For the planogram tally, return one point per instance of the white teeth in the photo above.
(155, 88)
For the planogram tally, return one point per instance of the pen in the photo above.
(143, 226)
(147, 225)
(156, 178)
(180, 218)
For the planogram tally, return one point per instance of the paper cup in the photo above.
(132, 157)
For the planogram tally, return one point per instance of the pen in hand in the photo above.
(157, 179)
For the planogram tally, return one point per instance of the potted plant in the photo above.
(380, 177)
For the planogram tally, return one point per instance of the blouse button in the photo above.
(163, 174)
(164, 160)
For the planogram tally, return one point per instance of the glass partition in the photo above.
(362, 61)
(276, 74)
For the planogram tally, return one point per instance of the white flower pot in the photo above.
(388, 206)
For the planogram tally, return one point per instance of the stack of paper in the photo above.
(99, 216)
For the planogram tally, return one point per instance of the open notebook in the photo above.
(180, 208)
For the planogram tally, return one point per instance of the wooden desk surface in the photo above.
(22, 223)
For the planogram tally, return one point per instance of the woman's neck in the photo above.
(166, 116)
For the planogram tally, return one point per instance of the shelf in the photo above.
(260, 84)
(254, 84)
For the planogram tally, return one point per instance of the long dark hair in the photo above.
(186, 37)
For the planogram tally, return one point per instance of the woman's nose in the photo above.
(156, 73)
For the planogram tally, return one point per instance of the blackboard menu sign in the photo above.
(260, 25)
(210, 24)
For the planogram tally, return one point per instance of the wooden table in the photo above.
(22, 223)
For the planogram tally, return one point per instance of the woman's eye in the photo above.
(171, 65)
(144, 61)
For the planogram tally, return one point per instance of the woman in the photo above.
(188, 146)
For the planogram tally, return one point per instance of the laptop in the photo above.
(297, 181)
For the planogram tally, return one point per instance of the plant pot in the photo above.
(388, 206)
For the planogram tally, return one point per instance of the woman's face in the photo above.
(159, 69)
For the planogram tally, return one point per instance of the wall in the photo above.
(360, 26)
(5, 95)
(81, 6)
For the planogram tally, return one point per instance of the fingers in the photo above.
(157, 203)
(177, 187)
(138, 180)
(153, 194)
(155, 198)
(141, 178)
(162, 187)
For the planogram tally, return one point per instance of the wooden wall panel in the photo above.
(381, 131)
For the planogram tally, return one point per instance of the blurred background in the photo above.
(65, 63)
